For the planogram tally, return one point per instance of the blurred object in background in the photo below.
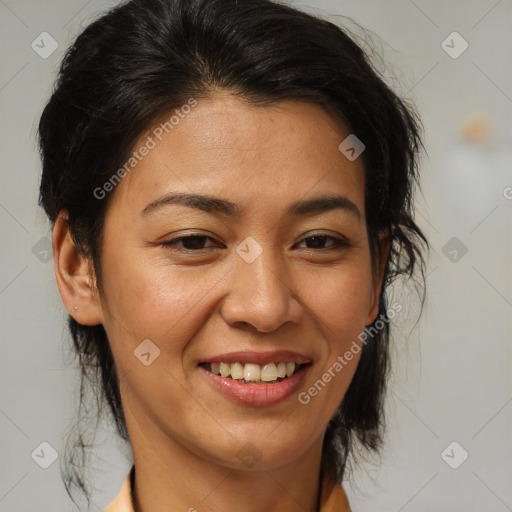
(473, 171)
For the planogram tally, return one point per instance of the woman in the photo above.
(230, 187)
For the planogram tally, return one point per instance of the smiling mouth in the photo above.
(252, 373)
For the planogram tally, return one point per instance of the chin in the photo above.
(261, 450)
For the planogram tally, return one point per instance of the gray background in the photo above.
(451, 379)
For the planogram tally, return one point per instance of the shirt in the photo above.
(332, 499)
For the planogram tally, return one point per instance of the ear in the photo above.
(384, 244)
(75, 276)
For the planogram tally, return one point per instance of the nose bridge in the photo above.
(259, 294)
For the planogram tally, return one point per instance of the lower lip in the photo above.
(257, 394)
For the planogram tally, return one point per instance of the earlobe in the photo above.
(75, 276)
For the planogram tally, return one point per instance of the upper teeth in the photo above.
(253, 372)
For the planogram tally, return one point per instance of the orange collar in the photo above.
(333, 498)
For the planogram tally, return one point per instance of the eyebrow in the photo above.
(216, 205)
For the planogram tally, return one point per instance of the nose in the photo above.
(261, 296)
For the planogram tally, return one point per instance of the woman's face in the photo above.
(260, 283)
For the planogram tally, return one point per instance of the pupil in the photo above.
(195, 241)
(316, 241)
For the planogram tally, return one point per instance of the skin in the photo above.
(313, 299)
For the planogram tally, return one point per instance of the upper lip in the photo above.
(275, 356)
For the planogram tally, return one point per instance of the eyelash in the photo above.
(339, 243)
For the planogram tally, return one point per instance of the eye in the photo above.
(189, 243)
(317, 241)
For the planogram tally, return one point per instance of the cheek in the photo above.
(340, 305)
(341, 302)
(153, 301)
(341, 309)
(150, 302)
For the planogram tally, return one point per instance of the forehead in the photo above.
(227, 147)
